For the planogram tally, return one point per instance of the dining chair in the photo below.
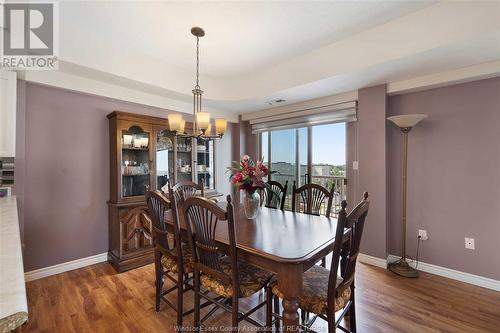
(274, 194)
(223, 275)
(310, 198)
(188, 188)
(172, 257)
(324, 293)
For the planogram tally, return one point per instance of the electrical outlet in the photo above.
(469, 243)
(423, 234)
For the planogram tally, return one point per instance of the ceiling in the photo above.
(256, 52)
(241, 37)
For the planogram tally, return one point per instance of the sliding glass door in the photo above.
(329, 160)
(283, 158)
(314, 154)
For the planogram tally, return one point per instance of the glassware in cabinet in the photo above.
(135, 161)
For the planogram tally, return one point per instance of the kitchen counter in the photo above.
(13, 303)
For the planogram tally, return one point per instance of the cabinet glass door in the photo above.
(184, 159)
(135, 161)
(205, 170)
(164, 158)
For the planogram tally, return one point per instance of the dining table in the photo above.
(283, 242)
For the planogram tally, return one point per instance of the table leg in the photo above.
(290, 284)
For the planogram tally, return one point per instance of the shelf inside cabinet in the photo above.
(132, 148)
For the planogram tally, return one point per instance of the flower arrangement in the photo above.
(247, 175)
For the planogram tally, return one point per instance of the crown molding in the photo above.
(461, 75)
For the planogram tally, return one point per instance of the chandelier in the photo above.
(202, 126)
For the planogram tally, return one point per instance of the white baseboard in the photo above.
(64, 267)
(374, 261)
(452, 274)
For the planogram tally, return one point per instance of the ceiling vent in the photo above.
(276, 101)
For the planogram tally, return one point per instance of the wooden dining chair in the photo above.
(173, 259)
(223, 275)
(324, 293)
(274, 194)
(188, 188)
(309, 199)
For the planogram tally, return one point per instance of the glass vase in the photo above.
(251, 203)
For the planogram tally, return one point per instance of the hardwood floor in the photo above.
(97, 299)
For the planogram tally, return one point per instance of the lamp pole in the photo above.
(405, 123)
(405, 131)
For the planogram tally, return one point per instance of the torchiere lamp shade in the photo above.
(407, 120)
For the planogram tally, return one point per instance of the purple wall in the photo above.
(66, 172)
(454, 176)
(249, 141)
(372, 173)
(20, 162)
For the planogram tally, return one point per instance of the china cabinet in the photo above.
(144, 154)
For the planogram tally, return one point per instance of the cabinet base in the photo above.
(125, 264)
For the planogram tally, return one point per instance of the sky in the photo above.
(328, 144)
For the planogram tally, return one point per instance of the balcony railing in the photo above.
(340, 189)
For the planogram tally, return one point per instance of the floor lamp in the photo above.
(405, 123)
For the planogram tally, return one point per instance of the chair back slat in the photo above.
(202, 217)
(188, 189)
(158, 205)
(310, 198)
(275, 194)
(346, 249)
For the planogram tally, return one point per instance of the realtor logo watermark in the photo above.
(29, 35)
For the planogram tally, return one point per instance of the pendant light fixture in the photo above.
(201, 119)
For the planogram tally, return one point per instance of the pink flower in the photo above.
(247, 175)
(238, 177)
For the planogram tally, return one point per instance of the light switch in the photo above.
(355, 165)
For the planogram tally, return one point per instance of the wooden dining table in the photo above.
(282, 242)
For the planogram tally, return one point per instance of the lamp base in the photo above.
(401, 267)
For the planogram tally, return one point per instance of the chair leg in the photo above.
(269, 309)
(180, 298)
(159, 279)
(196, 301)
(234, 314)
(277, 310)
(352, 313)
